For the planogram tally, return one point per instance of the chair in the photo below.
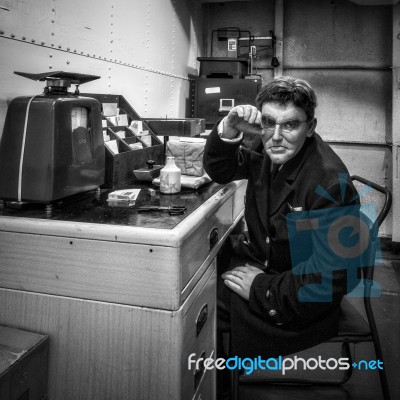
(353, 328)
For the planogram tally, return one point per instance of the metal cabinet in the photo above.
(213, 97)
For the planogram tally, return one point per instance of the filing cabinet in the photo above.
(213, 97)
(124, 305)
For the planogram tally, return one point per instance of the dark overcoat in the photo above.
(275, 321)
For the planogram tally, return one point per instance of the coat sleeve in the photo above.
(316, 284)
(225, 161)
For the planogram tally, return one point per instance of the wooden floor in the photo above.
(363, 385)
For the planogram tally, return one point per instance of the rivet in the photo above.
(13, 35)
(23, 37)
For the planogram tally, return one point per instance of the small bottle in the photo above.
(170, 177)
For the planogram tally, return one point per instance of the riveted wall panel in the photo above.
(27, 20)
(83, 30)
(372, 162)
(377, 159)
(171, 42)
(128, 29)
(336, 33)
(352, 105)
(144, 50)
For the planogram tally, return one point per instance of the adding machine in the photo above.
(52, 144)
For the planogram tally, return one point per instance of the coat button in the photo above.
(267, 294)
(272, 313)
(267, 240)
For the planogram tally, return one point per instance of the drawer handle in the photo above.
(213, 237)
(201, 319)
(199, 372)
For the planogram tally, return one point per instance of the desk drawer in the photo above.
(199, 325)
(204, 240)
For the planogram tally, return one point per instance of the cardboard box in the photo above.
(23, 364)
(188, 154)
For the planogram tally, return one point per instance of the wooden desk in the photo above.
(124, 297)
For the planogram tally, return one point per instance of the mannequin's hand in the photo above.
(242, 119)
(240, 279)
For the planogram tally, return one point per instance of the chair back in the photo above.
(375, 201)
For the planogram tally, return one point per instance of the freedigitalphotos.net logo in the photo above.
(249, 365)
(332, 239)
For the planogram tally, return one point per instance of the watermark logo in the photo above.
(249, 365)
(332, 239)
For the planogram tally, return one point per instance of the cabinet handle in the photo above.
(213, 237)
(201, 319)
(198, 373)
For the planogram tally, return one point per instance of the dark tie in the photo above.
(274, 172)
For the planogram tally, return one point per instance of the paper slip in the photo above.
(124, 194)
(113, 146)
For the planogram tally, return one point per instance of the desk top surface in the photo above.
(84, 208)
(84, 218)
